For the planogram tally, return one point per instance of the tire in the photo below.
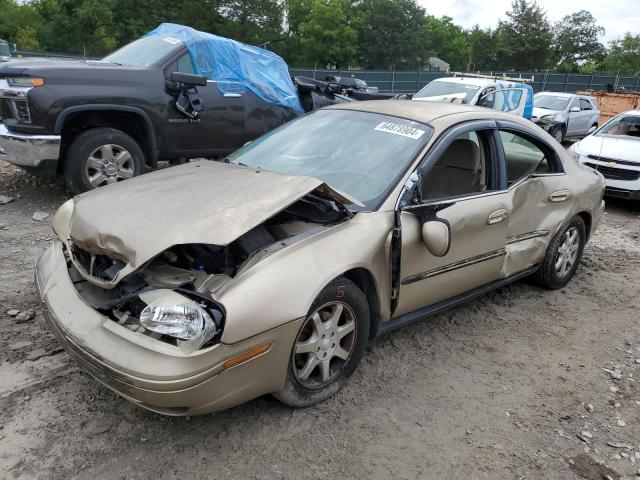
(549, 275)
(558, 133)
(93, 159)
(300, 391)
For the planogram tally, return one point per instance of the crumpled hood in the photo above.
(541, 112)
(200, 202)
(610, 148)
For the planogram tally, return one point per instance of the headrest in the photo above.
(463, 154)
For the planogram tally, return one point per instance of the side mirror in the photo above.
(436, 236)
(189, 79)
(574, 109)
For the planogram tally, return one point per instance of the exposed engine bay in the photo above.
(197, 271)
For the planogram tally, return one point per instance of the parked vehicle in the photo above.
(351, 83)
(5, 51)
(192, 289)
(485, 91)
(614, 151)
(565, 114)
(174, 94)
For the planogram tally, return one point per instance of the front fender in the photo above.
(283, 286)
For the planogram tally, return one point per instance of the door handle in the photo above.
(559, 196)
(497, 217)
(233, 95)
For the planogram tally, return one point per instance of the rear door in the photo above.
(538, 195)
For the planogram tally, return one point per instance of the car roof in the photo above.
(557, 94)
(425, 112)
(476, 82)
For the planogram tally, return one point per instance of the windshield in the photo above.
(144, 52)
(550, 102)
(627, 126)
(4, 49)
(360, 154)
(437, 88)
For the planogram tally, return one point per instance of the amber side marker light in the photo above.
(246, 356)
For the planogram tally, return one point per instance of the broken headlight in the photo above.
(187, 322)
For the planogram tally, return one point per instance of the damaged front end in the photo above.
(173, 297)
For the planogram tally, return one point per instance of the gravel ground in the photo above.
(522, 383)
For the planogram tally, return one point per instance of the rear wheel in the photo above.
(102, 156)
(563, 255)
(329, 345)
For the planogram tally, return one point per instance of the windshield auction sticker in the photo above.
(398, 129)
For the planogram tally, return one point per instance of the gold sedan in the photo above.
(198, 287)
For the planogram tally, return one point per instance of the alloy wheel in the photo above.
(324, 345)
(567, 252)
(109, 164)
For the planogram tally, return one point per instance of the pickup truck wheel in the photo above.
(102, 156)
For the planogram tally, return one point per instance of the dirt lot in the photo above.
(502, 388)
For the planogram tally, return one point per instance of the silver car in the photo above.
(565, 114)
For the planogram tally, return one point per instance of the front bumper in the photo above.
(622, 180)
(153, 374)
(28, 150)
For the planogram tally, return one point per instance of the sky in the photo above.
(616, 16)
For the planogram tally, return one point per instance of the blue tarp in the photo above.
(236, 66)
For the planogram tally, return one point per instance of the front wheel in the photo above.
(329, 345)
(102, 156)
(563, 255)
(558, 134)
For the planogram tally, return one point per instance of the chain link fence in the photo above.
(412, 81)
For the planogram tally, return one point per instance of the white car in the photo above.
(614, 150)
(503, 95)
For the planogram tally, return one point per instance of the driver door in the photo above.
(459, 194)
(220, 127)
(510, 100)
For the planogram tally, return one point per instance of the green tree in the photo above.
(483, 49)
(77, 26)
(17, 22)
(448, 41)
(27, 38)
(576, 41)
(391, 33)
(325, 36)
(623, 56)
(252, 21)
(524, 40)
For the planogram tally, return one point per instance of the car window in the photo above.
(185, 65)
(575, 103)
(550, 102)
(145, 51)
(359, 153)
(584, 104)
(627, 126)
(460, 170)
(505, 100)
(523, 158)
(437, 88)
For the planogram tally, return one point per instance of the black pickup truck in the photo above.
(98, 122)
